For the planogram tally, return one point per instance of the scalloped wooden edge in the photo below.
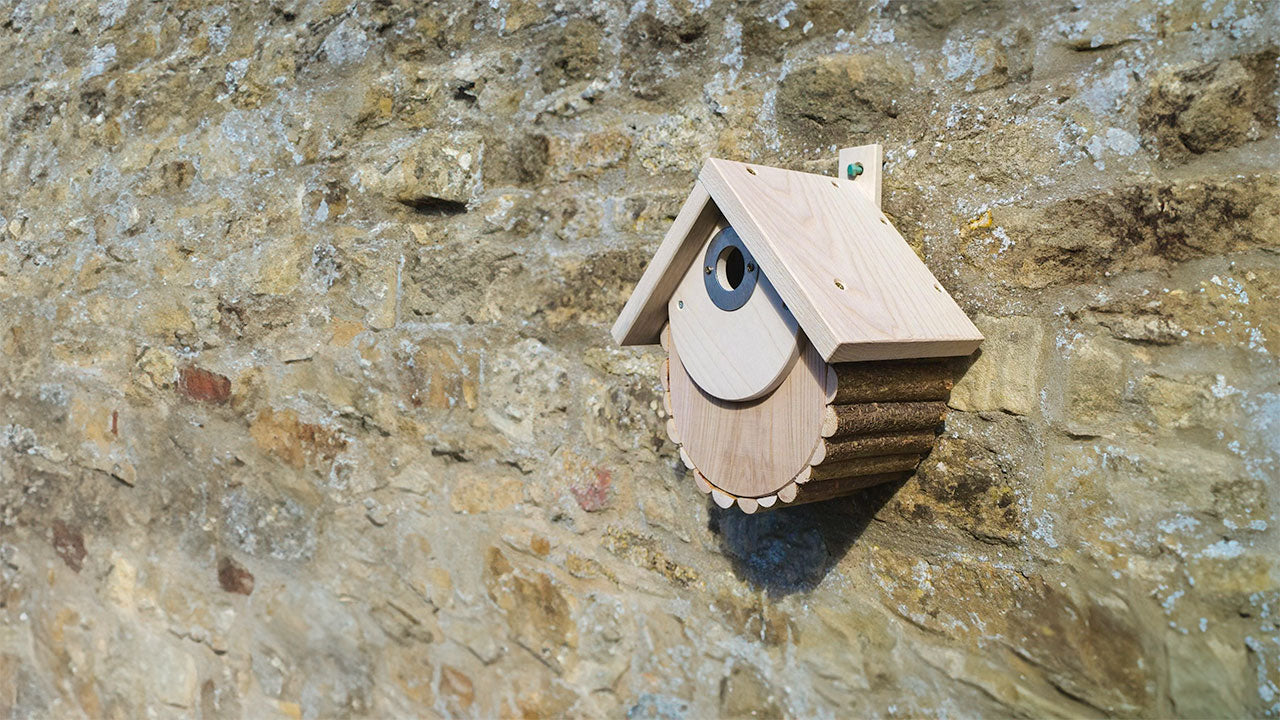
(721, 498)
(684, 458)
(819, 452)
(750, 505)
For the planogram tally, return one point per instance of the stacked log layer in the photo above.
(882, 420)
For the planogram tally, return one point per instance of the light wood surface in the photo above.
(721, 498)
(684, 458)
(733, 355)
(788, 493)
(872, 159)
(857, 290)
(755, 448)
(645, 312)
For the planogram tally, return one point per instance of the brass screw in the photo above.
(751, 267)
(839, 284)
(707, 269)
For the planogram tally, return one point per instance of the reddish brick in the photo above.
(201, 385)
(592, 493)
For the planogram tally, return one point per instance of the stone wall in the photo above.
(308, 406)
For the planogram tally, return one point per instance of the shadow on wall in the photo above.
(792, 549)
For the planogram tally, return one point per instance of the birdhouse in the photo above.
(807, 344)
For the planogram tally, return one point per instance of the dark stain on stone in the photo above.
(434, 206)
(234, 577)
(466, 92)
(68, 542)
(177, 175)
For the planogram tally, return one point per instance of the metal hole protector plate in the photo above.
(723, 298)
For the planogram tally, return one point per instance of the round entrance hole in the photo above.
(730, 268)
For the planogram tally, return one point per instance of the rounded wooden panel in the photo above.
(734, 355)
(751, 449)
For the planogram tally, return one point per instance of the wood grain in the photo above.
(863, 466)
(893, 381)
(865, 418)
(754, 448)
(857, 446)
(858, 291)
(828, 489)
(788, 493)
(641, 319)
(734, 355)
(721, 498)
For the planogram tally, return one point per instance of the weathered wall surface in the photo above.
(308, 406)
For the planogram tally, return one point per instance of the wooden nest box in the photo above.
(806, 341)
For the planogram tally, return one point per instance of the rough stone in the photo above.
(745, 693)
(1210, 106)
(1006, 375)
(434, 174)
(309, 408)
(836, 95)
(1207, 676)
(1097, 383)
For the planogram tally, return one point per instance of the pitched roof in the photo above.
(858, 291)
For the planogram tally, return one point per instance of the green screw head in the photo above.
(855, 169)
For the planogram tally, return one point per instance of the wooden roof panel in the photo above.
(857, 289)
